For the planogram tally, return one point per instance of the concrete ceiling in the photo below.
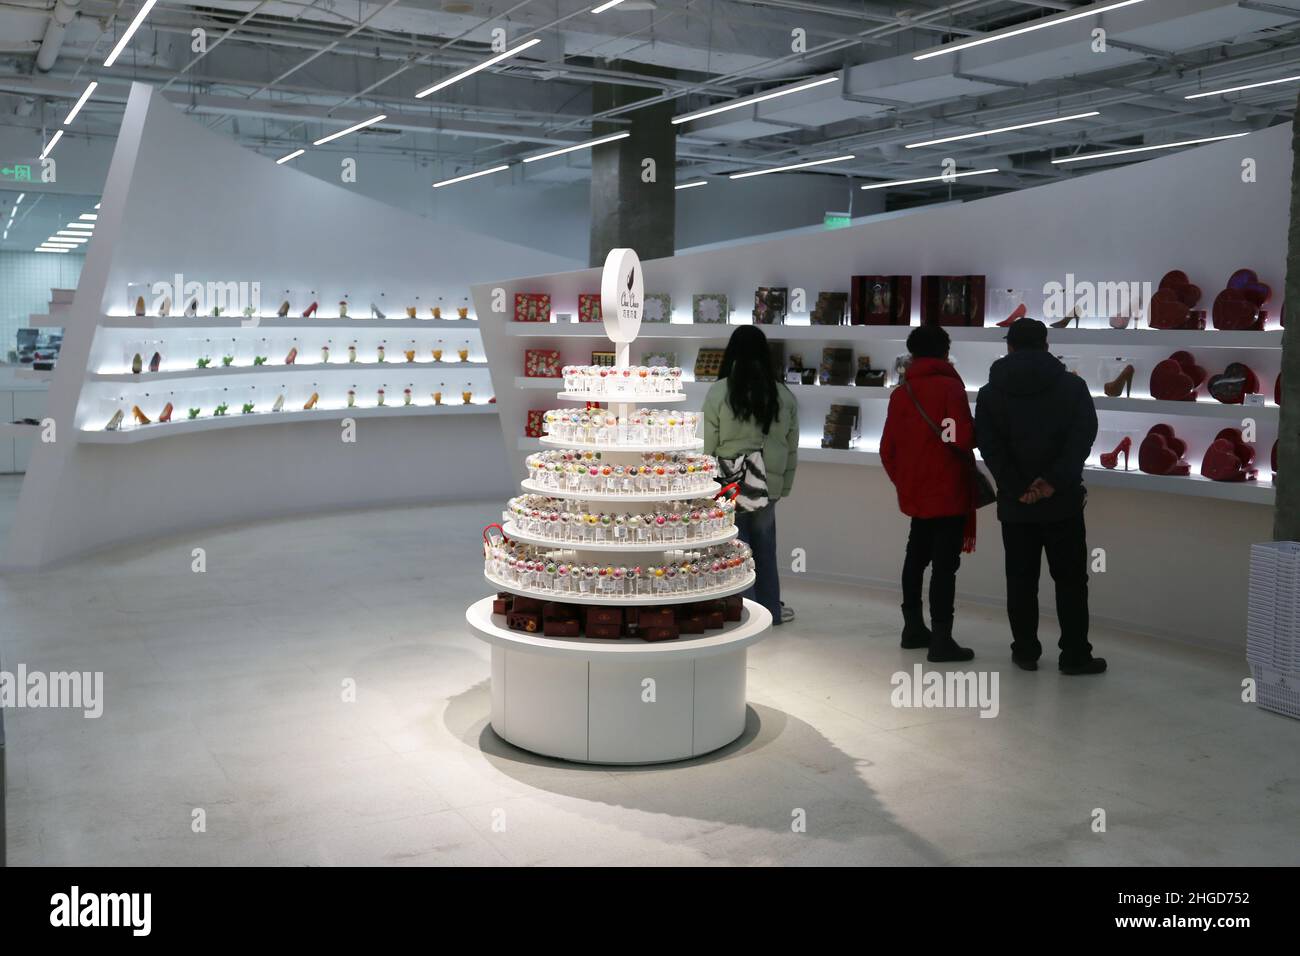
(279, 73)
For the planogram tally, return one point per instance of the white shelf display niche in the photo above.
(582, 697)
(246, 225)
(1119, 226)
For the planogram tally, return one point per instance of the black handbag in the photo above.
(982, 489)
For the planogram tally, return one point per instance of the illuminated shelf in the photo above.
(198, 323)
(140, 433)
(534, 489)
(693, 445)
(220, 371)
(624, 547)
(639, 600)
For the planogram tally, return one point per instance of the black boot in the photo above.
(943, 648)
(1092, 665)
(915, 634)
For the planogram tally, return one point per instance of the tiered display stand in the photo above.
(619, 701)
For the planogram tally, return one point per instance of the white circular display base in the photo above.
(640, 600)
(624, 547)
(693, 445)
(584, 700)
(704, 493)
(649, 399)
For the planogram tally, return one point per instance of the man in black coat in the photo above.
(1034, 426)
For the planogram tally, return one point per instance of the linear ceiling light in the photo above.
(461, 179)
(130, 32)
(58, 135)
(89, 226)
(930, 179)
(569, 149)
(294, 155)
(463, 74)
(50, 249)
(21, 197)
(87, 217)
(351, 129)
(73, 236)
(59, 244)
(1003, 129)
(786, 169)
(698, 182)
(1143, 149)
(97, 205)
(1043, 24)
(750, 100)
(76, 107)
(607, 5)
(1238, 89)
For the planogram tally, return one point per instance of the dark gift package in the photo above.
(952, 300)
(655, 617)
(561, 627)
(881, 300)
(530, 622)
(734, 606)
(659, 632)
(603, 630)
(527, 604)
(605, 615)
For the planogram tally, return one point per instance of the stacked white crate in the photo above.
(1273, 626)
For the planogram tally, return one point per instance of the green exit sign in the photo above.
(836, 220)
(18, 173)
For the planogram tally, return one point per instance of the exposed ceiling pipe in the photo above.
(64, 12)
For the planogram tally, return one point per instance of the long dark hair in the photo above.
(751, 382)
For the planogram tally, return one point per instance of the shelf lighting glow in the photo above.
(130, 32)
(461, 179)
(607, 5)
(931, 179)
(786, 169)
(698, 182)
(1238, 89)
(351, 129)
(1043, 24)
(577, 146)
(1144, 149)
(490, 61)
(751, 100)
(294, 155)
(58, 135)
(76, 107)
(97, 205)
(1003, 129)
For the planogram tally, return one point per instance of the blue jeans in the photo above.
(758, 530)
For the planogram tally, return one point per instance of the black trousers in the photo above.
(1065, 543)
(935, 542)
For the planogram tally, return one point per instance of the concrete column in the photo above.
(625, 209)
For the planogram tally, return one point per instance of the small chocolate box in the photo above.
(501, 605)
(713, 620)
(529, 605)
(530, 622)
(605, 615)
(691, 624)
(603, 630)
(561, 627)
(659, 632)
(734, 605)
(655, 617)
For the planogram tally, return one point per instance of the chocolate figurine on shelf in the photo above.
(137, 363)
(352, 352)
(192, 309)
(247, 408)
(467, 396)
(221, 409)
(464, 353)
(380, 396)
(166, 414)
(343, 307)
(292, 356)
(437, 351)
(437, 309)
(375, 311)
(379, 353)
(278, 404)
(283, 311)
(155, 363)
(325, 354)
(352, 397)
(410, 351)
(140, 417)
(308, 312)
(194, 413)
(437, 396)
(406, 395)
(462, 312)
(139, 305)
(413, 311)
(311, 402)
(165, 309)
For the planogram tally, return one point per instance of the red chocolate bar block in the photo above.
(605, 615)
(660, 632)
(528, 605)
(655, 617)
(555, 610)
(715, 620)
(530, 622)
(561, 627)
(501, 605)
(735, 605)
(608, 631)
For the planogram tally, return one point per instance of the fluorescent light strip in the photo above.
(294, 155)
(608, 5)
(77, 236)
(786, 169)
(930, 179)
(463, 74)
(48, 249)
(1027, 28)
(699, 182)
(130, 32)
(750, 100)
(461, 179)
(97, 205)
(351, 129)
(21, 197)
(1003, 129)
(1238, 89)
(80, 225)
(577, 146)
(58, 135)
(87, 217)
(59, 244)
(76, 108)
(1144, 149)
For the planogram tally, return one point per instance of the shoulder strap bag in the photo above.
(748, 473)
(982, 489)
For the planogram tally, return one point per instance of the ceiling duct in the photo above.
(64, 12)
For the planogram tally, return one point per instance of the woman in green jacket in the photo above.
(747, 410)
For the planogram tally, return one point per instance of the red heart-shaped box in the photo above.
(1228, 458)
(1234, 311)
(1188, 361)
(1162, 454)
(1177, 378)
(1246, 281)
(1167, 310)
(1234, 383)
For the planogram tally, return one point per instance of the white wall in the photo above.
(25, 282)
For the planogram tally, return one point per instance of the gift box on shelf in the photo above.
(542, 363)
(660, 632)
(658, 307)
(603, 631)
(840, 426)
(654, 617)
(867, 376)
(589, 307)
(952, 300)
(530, 622)
(769, 305)
(734, 606)
(532, 307)
(533, 427)
(708, 363)
(501, 604)
(880, 300)
(837, 366)
(605, 615)
(830, 308)
(709, 308)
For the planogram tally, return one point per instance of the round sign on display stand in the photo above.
(622, 295)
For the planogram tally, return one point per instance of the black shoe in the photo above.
(1024, 663)
(943, 649)
(1093, 665)
(916, 635)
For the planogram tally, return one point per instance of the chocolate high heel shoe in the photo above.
(1123, 382)
(1109, 459)
(140, 417)
(309, 311)
(115, 422)
(1019, 313)
(283, 311)
(311, 402)
(1072, 317)
(166, 414)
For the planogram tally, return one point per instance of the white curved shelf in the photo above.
(268, 369)
(648, 600)
(693, 445)
(638, 400)
(140, 433)
(200, 322)
(751, 628)
(648, 547)
(530, 486)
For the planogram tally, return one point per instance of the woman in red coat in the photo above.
(930, 471)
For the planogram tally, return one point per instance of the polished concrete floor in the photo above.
(224, 695)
